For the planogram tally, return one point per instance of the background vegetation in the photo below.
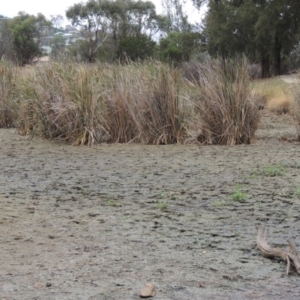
(267, 32)
(121, 72)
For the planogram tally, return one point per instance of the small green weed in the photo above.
(238, 195)
(163, 195)
(162, 205)
(297, 192)
(219, 203)
(112, 202)
(272, 171)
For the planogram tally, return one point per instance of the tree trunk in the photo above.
(277, 54)
(265, 66)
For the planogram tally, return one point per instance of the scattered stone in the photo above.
(38, 285)
(148, 291)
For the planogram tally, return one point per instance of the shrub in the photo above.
(136, 48)
(226, 105)
(178, 47)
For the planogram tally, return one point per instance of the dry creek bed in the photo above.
(101, 222)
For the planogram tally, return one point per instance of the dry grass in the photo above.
(8, 101)
(228, 114)
(274, 94)
(61, 102)
(148, 103)
(144, 104)
(296, 106)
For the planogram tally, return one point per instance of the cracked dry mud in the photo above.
(101, 222)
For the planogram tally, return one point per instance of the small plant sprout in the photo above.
(162, 195)
(162, 205)
(112, 203)
(272, 171)
(297, 192)
(238, 195)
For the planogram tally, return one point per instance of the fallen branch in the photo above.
(291, 257)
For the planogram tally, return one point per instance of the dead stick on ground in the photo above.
(268, 251)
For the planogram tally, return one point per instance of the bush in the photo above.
(228, 114)
(136, 48)
(179, 47)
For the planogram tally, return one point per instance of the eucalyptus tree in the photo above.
(6, 37)
(177, 19)
(265, 30)
(105, 21)
(93, 23)
(28, 32)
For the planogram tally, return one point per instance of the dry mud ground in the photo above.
(89, 223)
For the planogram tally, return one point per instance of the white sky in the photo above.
(10, 8)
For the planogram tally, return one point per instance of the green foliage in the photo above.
(238, 195)
(272, 171)
(119, 23)
(58, 45)
(297, 192)
(162, 205)
(91, 19)
(266, 31)
(176, 20)
(179, 47)
(6, 38)
(27, 32)
(136, 48)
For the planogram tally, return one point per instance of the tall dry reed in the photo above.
(226, 106)
(62, 102)
(148, 103)
(8, 94)
(144, 104)
(296, 105)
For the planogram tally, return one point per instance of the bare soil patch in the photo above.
(100, 222)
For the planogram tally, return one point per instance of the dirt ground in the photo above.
(101, 222)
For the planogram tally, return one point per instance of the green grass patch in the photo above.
(162, 205)
(238, 195)
(272, 171)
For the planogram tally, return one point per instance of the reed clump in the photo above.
(149, 103)
(8, 94)
(226, 105)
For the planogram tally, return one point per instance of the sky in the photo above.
(10, 8)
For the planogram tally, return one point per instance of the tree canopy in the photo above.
(265, 30)
(27, 31)
(115, 21)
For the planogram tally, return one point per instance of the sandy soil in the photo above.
(101, 222)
